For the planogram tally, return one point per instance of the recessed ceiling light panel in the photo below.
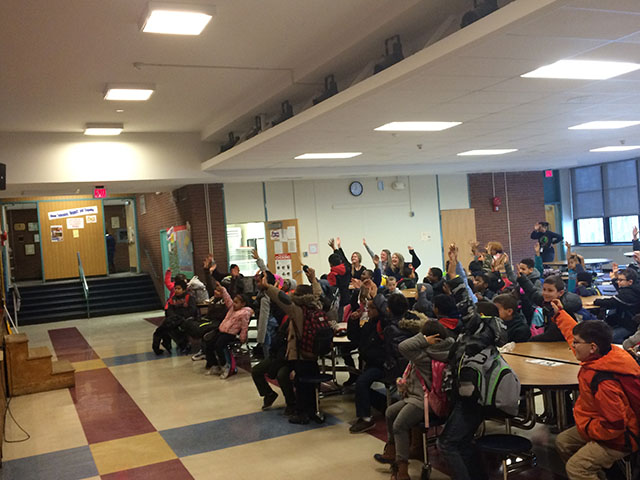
(494, 151)
(127, 93)
(103, 129)
(583, 70)
(176, 18)
(616, 148)
(317, 156)
(605, 125)
(416, 126)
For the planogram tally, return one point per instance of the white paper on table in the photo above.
(546, 363)
(277, 247)
(292, 246)
(291, 233)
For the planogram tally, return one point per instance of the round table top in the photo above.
(555, 351)
(531, 374)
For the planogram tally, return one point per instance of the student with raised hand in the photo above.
(575, 265)
(624, 305)
(547, 239)
(385, 256)
(606, 427)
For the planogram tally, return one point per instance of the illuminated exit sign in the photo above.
(99, 192)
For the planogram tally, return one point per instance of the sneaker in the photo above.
(269, 398)
(198, 356)
(299, 419)
(215, 370)
(225, 372)
(158, 350)
(289, 411)
(362, 426)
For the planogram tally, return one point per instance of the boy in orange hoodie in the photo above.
(606, 426)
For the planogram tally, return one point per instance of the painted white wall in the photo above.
(325, 209)
(454, 191)
(33, 158)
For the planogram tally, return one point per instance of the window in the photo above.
(590, 230)
(621, 228)
(605, 202)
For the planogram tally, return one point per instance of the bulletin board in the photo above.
(283, 248)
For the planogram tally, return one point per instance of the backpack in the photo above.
(436, 398)
(488, 377)
(630, 384)
(198, 290)
(317, 334)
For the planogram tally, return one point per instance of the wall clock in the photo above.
(355, 188)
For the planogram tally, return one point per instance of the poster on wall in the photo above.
(92, 219)
(72, 212)
(29, 249)
(57, 234)
(115, 222)
(283, 265)
(275, 235)
(36, 238)
(19, 227)
(32, 226)
(76, 233)
(292, 246)
(75, 223)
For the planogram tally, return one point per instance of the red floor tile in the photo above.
(69, 344)
(171, 470)
(106, 410)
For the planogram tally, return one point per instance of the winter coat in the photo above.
(626, 302)
(517, 329)
(369, 338)
(417, 350)
(236, 322)
(293, 306)
(605, 416)
(340, 278)
(395, 333)
(183, 306)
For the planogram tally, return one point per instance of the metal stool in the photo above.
(434, 422)
(316, 380)
(504, 446)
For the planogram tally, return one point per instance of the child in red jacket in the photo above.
(606, 425)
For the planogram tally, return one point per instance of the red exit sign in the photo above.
(99, 192)
(548, 173)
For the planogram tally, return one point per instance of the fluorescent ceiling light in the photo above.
(176, 19)
(583, 70)
(103, 129)
(495, 151)
(605, 125)
(315, 156)
(128, 92)
(616, 148)
(416, 126)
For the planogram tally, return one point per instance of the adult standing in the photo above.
(547, 239)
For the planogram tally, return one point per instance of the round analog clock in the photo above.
(355, 188)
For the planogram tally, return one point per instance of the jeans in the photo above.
(620, 334)
(269, 366)
(222, 340)
(401, 418)
(272, 328)
(456, 442)
(363, 390)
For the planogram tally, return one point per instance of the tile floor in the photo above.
(133, 415)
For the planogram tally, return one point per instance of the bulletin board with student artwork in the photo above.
(283, 248)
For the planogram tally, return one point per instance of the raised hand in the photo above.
(635, 233)
(337, 242)
(431, 339)
(311, 274)
(536, 248)
(254, 254)
(567, 244)
(556, 305)
(364, 241)
(332, 243)
(410, 247)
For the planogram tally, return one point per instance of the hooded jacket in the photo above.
(605, 416)
(517, 329)
(395, 333)
(236, 322)
(626, 303)
(293, 306)
(369, 336)
(417, 350)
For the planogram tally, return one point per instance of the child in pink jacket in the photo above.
(235, 323)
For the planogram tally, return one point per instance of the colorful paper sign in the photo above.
(72, 212)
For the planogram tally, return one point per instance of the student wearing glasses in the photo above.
(606, 426)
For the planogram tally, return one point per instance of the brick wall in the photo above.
(525, 197)
(186, 204)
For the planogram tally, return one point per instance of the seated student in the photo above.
(631, 342)
(305, 363)
(277, 367)
(235, 324)
(624, 305)
(339, 279)
(606, 427)
(494, 254)
(269, 316)
(233, 281)
(384, 258)
(547, 239)
(434, 278)
(553, 288)
(575, 265)
(481, 286)
(197, 328)
(527, 267)
(432, 343)
(444, 309)
(366, 332)
(517, 328)
(180, 307)
(398, 268)
(391, 287)
(481, 329)
(424, 301)
(585, 287)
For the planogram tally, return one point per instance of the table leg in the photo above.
(561, 413)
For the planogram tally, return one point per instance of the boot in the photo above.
(401, 471)
(388, 456)
(415, 446)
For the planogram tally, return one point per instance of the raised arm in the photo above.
(415, 261)
(369, 251)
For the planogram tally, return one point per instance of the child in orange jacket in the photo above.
(606, 425)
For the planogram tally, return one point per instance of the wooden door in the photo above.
(459, 227)
(24, 240)
(283, 248)
(61, 242)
